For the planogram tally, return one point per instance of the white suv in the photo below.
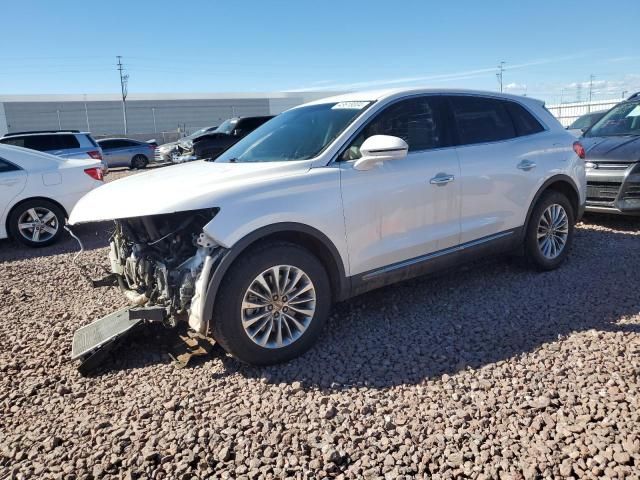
(334, 198)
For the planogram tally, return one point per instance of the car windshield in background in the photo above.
(227, 126)
(585, 121)
(297, 134)
(196, 133)
(623, 119)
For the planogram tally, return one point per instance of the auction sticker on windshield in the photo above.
(350, 105)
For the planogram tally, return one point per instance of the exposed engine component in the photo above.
(159, 260)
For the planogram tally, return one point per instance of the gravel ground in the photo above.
(490, 371)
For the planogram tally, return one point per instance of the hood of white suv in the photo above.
(178, 188)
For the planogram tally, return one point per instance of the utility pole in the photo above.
(591, 77)
(124, 79)
(500, 74)
(153, 112)
(86, 112)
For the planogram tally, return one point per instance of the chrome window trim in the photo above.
(341, 150)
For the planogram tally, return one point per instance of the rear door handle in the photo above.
(442, 179)
(526, 165)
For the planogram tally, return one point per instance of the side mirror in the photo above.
(380, 148)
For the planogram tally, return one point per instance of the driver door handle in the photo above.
(442, 179)
(526, 165)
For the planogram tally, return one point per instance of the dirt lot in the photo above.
(491, 371)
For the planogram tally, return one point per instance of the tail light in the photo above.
(97, 173)
(579, 149)
(95, 154)
(152, 146)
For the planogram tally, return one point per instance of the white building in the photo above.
(101, 114)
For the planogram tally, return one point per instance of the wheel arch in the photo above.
(17, 204)
(300, 234)
(562, 184)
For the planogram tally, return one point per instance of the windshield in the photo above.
(227, 126)
(623, 119)
(585, 121)
(196, 133)
(297, 134)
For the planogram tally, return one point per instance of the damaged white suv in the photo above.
(334, 198)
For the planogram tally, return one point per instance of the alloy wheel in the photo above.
(553, 231)
(278, 306)
(38, 224)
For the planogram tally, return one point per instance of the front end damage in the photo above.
(162, 264)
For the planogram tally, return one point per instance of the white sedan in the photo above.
(38, 190)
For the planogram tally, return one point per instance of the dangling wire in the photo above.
(84, 269)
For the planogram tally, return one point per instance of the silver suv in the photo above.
(62, 143)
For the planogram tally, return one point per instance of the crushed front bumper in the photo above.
(613, 188)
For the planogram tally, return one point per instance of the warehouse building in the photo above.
(154, 115)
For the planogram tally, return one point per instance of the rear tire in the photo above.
(44, 229)
(550, 230)
(289, 314)
(139, 162)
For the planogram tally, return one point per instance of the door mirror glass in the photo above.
(380, 148)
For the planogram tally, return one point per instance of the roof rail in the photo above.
(634, 96)
(40, 131)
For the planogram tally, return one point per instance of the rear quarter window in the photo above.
(86, 141)
(524, 122)
(15, 141)
(7, 167)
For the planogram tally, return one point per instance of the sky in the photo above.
(550, 48)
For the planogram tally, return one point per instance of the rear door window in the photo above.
(42, 143)
(481, 120)
(66, 142)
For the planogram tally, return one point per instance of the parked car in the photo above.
(165, 152)
(582, 123)
(125, 152)
(332, 199)
(62, 143)
(37, 190)
(612, 149)
(211, 144)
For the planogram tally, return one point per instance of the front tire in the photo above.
(36, 223)
(273, 304)
(550, 231)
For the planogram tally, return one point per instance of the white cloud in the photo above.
(436, 78)
(515, 86)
